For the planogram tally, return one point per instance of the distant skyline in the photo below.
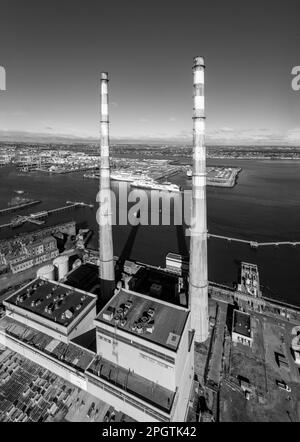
(54, 51)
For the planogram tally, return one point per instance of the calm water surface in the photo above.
(263, 206)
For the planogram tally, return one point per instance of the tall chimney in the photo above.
(106, 256)
(198, 284)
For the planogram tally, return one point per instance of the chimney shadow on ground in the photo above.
(127, 250)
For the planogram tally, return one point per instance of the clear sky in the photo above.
(54, 51)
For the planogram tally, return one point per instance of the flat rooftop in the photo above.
(241, 323)
(151, 277)
(167, 321)
(85, 277)
(53, 301)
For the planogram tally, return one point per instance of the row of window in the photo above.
(27, 264)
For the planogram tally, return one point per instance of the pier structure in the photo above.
(255, 244)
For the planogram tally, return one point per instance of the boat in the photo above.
(189, 173)
(91, 176)
(153, 185)
(113, 176)
(121, 177)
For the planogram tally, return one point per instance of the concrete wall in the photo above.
(137, 413)
(185, 383)
(139, 361)
(182, 352)
(85, 325)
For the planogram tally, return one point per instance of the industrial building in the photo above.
(25, 254)
(241, 328)
(249, 280)
(53, 308)
(177, 263)
(145, 356)
(146, 325)
(144, 364)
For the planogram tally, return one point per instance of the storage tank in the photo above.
(62, 265)
(47, 272)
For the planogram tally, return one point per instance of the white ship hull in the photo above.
(155, 186)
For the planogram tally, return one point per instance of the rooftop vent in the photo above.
(69, 313)
(117, 318)
(151, 312)
(139, 328)
(49, 308)
(36, 302)
(21, 297)
(57, 305)
(144, 319)
(120, 311)
(108, 314)
(173, 340)
(123, 322)
(133, 327)
(150, 327)
(128, 304)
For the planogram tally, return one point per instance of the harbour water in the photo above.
(263, 206)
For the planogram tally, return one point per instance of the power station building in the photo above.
(145, 357)
(53, 308)
(144, 361)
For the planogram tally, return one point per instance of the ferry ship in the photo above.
(121, 177)
(113, 176)
(153, 185)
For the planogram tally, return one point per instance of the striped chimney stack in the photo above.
(106, 258)
(198, 280)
